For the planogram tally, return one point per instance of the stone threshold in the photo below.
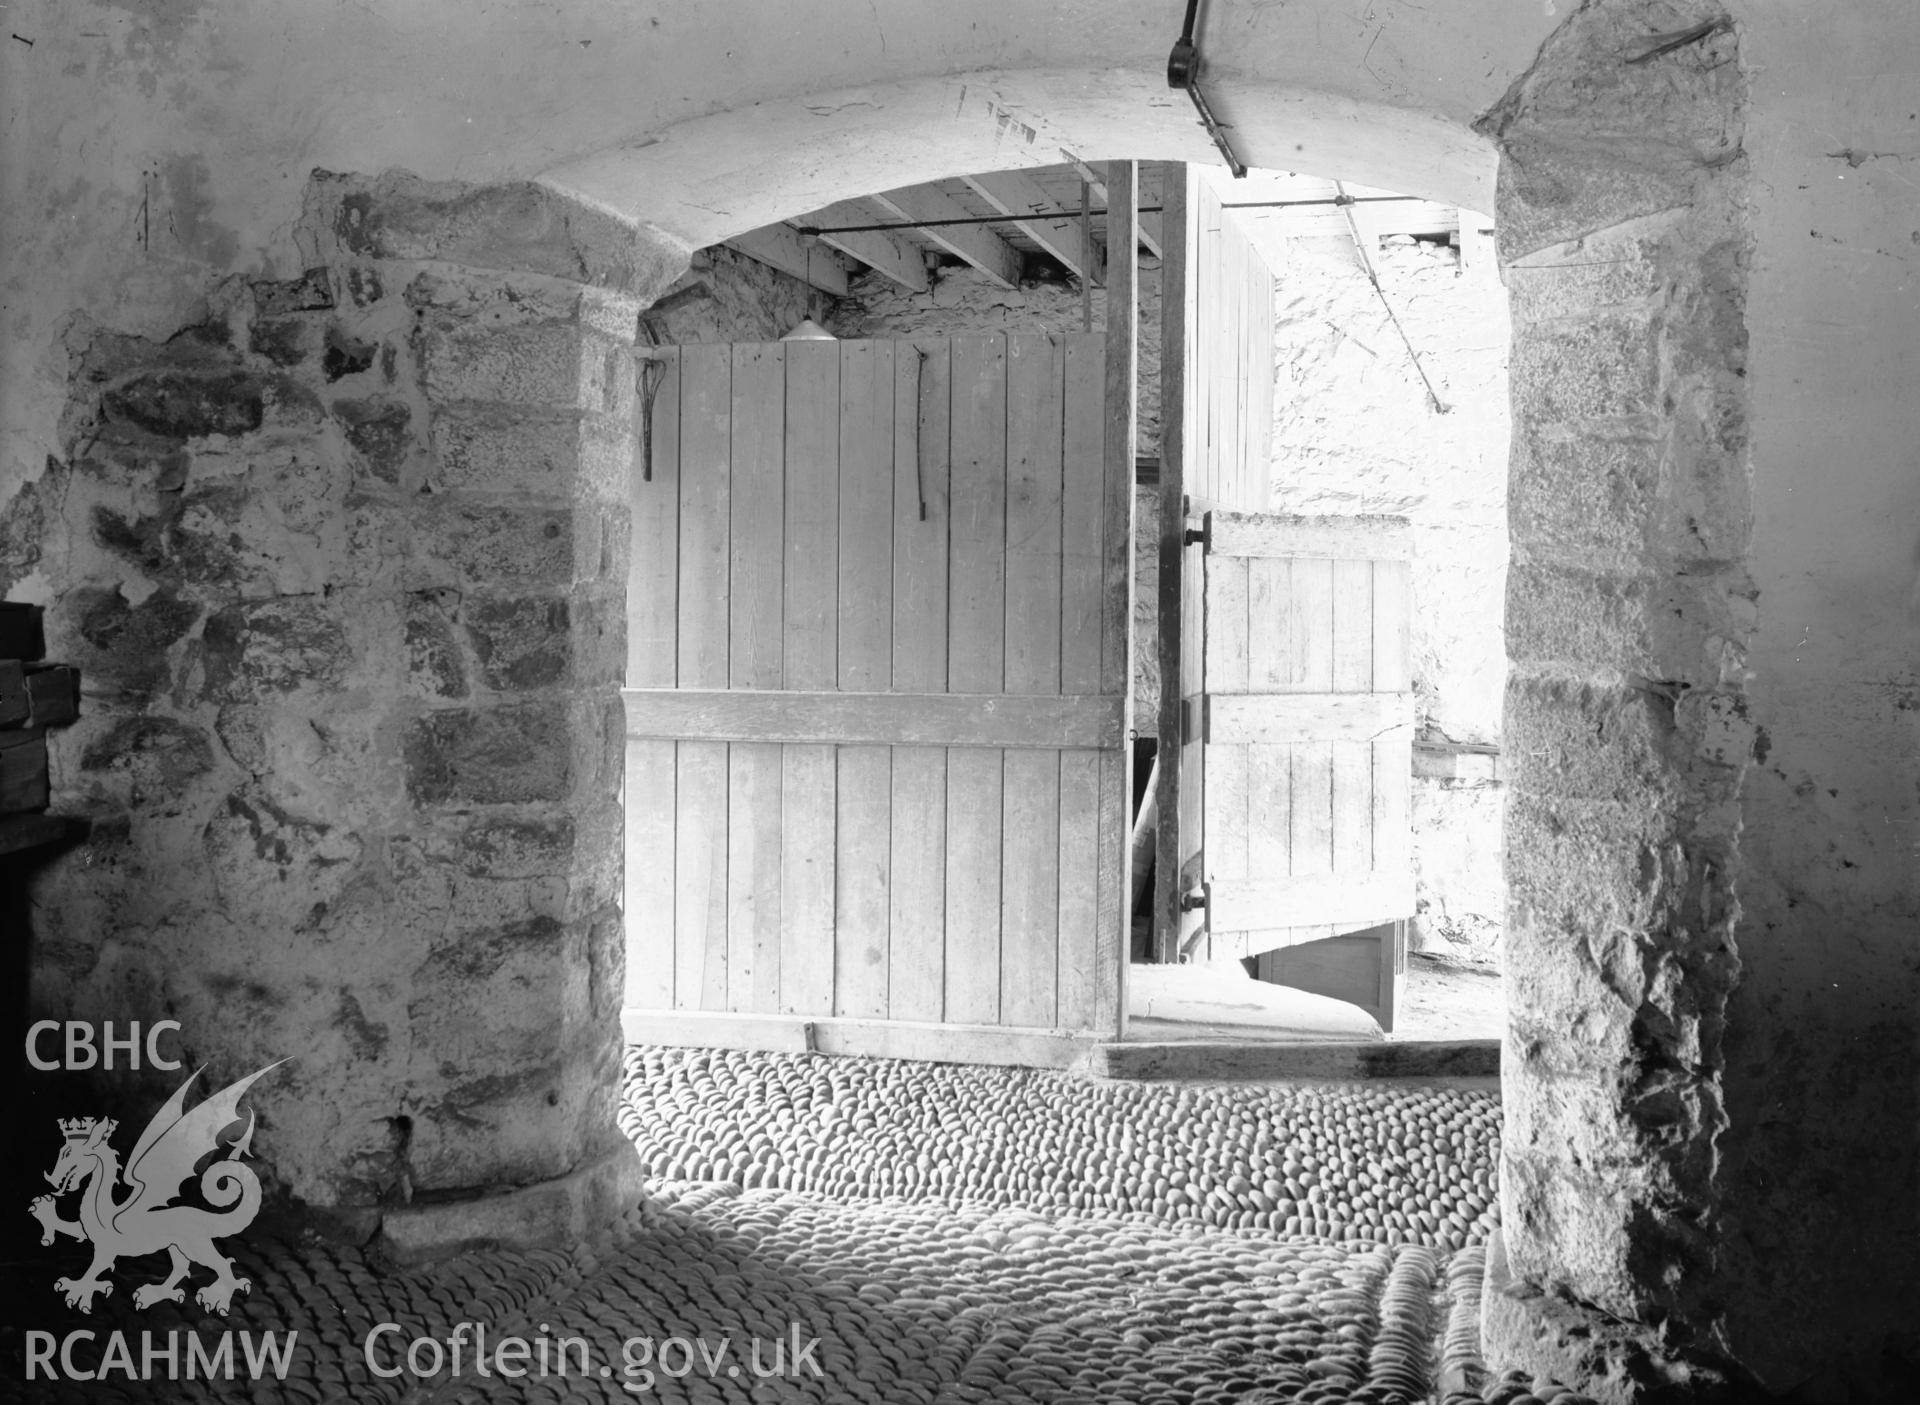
(1203, 1056)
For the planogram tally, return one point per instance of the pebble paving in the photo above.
(946, 1236)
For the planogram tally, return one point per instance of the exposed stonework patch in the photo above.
(152, 761)
(271, 647)
(726, 296)
(310, 646)
(521, 228)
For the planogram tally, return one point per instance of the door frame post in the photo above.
(1116, 624)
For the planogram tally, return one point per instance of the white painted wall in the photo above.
(1355, 431)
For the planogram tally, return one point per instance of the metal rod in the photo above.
(1069, 214)
(1440, 407)
(1336, 200)
(936, 224)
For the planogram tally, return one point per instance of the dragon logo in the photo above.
(144, 1221)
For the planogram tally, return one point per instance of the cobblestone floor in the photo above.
(838, 1230)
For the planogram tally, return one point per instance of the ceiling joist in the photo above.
(974, 243)
(1022, 201)
(895, 258)
(804, 257)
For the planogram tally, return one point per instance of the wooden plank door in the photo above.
(1303, 720)
(1217, 374)
(877, 621)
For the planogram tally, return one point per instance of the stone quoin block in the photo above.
(1609, 270)
(600, 743)
(1606, 367)
(495, 301)
(502, 1015)
(1582, 499)
(490, 756)
(594, 884)
(492, 448)
(1584, 1215)
(553, 364)
(518, 846)
(432, 877)
(597, 641)
(1589, 741)
(609, 538)
(496, 546)
(607, 965)
(1670, 627)
(520, 644)
(609, 460)
(1588, 865)
(1579, 619)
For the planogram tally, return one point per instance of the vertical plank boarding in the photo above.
(1030, 797)
(653, 597)
(1082, 596)
(976, 663)
(810, 664)
(700, 855)
(864, 801)
(917, 922)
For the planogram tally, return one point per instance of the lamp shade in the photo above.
(809, 330)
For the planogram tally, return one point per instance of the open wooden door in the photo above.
(1285, 761)
(1304, 725)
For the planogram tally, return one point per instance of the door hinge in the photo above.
(1195, 901)
(1196, 536)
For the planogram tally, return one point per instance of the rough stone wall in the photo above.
(1623, 232)
(343, 564)
(726, 296)
(1355, 432)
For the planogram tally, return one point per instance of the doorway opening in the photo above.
(1385, 410)
(1346, 354)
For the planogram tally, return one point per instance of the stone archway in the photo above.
(505, 308)
(1618, 205)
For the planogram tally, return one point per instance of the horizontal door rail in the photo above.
(1323, 538)
(1278, 718)
(1360, 898)
(875, 719)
